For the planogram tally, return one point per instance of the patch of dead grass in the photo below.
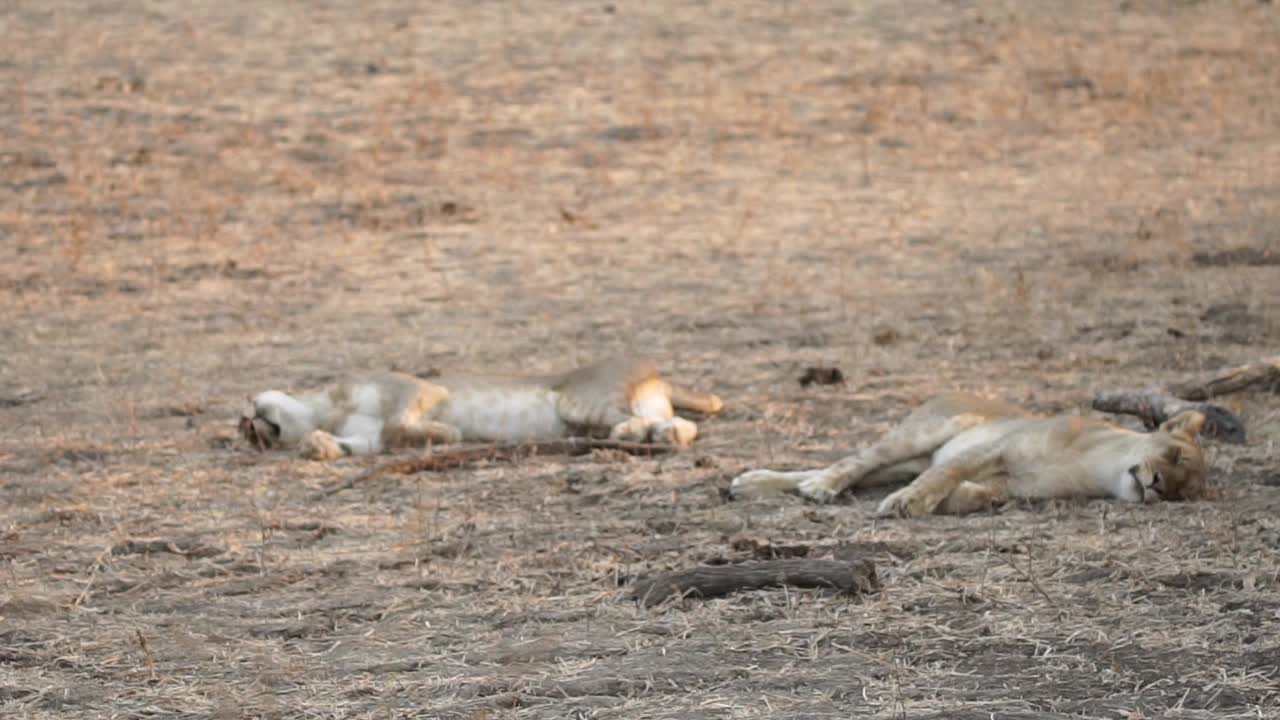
(205, 201)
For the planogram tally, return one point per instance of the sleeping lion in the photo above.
(623, 399)
(963, 453)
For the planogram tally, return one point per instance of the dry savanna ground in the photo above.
(199, 200)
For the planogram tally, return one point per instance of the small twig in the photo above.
(146, 651)
(1031, 579)
(509, 452)
(899, 704)
(991, 543)
(93, 575)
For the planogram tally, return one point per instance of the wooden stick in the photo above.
(1229, 380)
(510, 452)
(1155, 406)
(853, 577)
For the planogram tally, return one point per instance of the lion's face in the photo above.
(1175, 468)
(273, 419)
(260, 432)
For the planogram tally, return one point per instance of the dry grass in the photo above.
(204, 199)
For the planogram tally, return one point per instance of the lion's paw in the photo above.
(631, 430)
(320, 445)
(818, 488)
(448, 435)
(676, 431)
(760, 483)
(907, 502)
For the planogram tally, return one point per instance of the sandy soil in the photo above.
(200, 200)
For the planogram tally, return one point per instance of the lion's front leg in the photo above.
(763, 483)
(417, 432)
(320, 445)
(410, 424)
(906, 446)
(824, 485)
(359, 435)
(971, 497)
(928, 493)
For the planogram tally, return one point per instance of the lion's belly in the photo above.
(1026, 469)
(506, 414)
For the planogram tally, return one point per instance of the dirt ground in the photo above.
(200, 200)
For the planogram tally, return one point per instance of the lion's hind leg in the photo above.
(651, 416)
(674, 431)
(669, 431)
(628, 400)
(683, 398)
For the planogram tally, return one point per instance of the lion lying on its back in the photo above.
(966, 453)
(623, 399)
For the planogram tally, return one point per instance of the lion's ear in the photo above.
(1190, 423)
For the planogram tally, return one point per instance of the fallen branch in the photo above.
(1230, 380)
(187, 547)
(852, 577)
(1155, 407)
(509, 452)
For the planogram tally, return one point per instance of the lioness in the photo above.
(966, 453)
(624, 399)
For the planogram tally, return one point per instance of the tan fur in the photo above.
(966, 453)
(623, 399)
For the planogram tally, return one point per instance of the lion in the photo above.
(623, 399)
(963, 453)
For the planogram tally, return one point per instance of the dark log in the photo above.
(1229, 380)
(1155, 407)
(853, 577)
(508, 452)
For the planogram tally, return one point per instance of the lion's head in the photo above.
(274, 419)
(1174, 467)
